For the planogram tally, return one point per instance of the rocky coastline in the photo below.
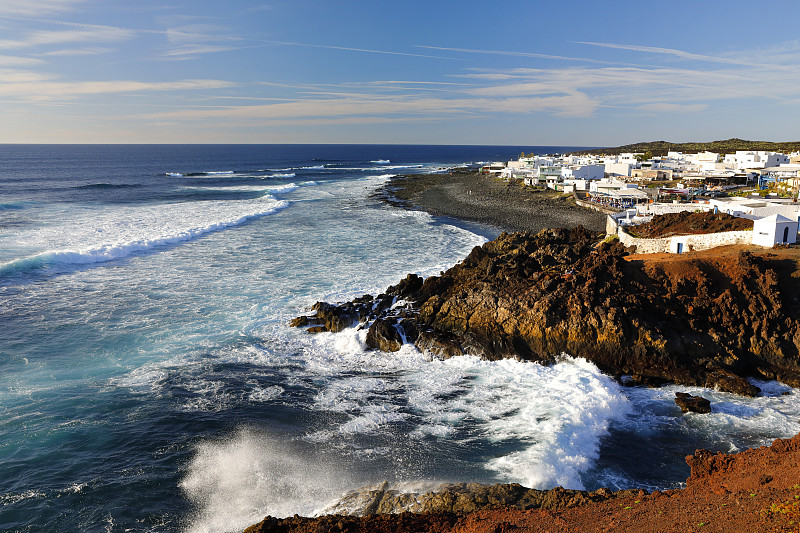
(708, 319)
(712, 318)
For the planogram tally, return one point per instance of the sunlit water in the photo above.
(149, 380)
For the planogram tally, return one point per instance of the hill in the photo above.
(659, 148)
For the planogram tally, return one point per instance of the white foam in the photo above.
(735, 422)
(265, 394)
(553, 417)
(95, 236)
(263, 188)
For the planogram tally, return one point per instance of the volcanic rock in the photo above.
(694, 404)
(705, 320)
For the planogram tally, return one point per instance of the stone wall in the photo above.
(690, 242)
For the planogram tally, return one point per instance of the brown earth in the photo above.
(708, 318)
(756, 490)
(700, 222)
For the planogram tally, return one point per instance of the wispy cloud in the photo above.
(194, 51)
(32, 87)
(79, 33)
(31, 8)
(92, 51)
(682, 54)
(17, 61)
(366, 50)
(513, 54)
(576, 104)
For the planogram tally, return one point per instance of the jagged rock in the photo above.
(439, 345)
(335, 317)
(694, 404)
(383, 336)
(701, 321)
(408, 286)
(463, 498)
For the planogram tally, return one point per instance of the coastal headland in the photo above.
(712, 318)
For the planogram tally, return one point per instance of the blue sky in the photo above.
(579, 73)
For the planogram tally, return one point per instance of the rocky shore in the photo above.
(713, 318)
(467, 195)
(756, 490)
(710, 318)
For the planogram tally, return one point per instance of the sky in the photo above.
(536, 72)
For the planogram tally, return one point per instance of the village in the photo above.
(632, 188)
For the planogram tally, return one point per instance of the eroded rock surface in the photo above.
(692, 404)
(465, 498)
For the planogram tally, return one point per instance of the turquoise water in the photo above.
(150, 382)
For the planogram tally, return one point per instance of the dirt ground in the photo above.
(689, 224)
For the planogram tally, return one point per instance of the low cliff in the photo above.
(703, 319)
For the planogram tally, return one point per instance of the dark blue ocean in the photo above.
(149, 380)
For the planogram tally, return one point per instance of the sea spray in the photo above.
(238, 481)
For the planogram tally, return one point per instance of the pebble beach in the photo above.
(485, 199)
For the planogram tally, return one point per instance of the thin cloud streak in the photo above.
(31, 87)
(349, 49)
(677, 53)
(30, 8)
(514, 54)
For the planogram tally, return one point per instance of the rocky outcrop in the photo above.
(706, 321)
(692, 404)
(465, 498)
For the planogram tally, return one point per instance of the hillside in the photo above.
(660, 148)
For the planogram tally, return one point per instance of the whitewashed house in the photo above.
(743, 159)
(583, 172)
(774, 229)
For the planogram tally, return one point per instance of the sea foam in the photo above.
(91, 236)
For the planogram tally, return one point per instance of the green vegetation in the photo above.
(660, 148)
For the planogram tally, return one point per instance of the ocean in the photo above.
(149, 380)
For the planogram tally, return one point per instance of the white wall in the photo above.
(618, 169)
(697, 242)
(769, 232)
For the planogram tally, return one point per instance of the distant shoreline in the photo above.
(483, 199)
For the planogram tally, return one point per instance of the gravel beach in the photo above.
(481, 198)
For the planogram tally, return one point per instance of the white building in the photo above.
(743, 159)
(583, 172)
(774, 229)
(606, 185)
(618, 169)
